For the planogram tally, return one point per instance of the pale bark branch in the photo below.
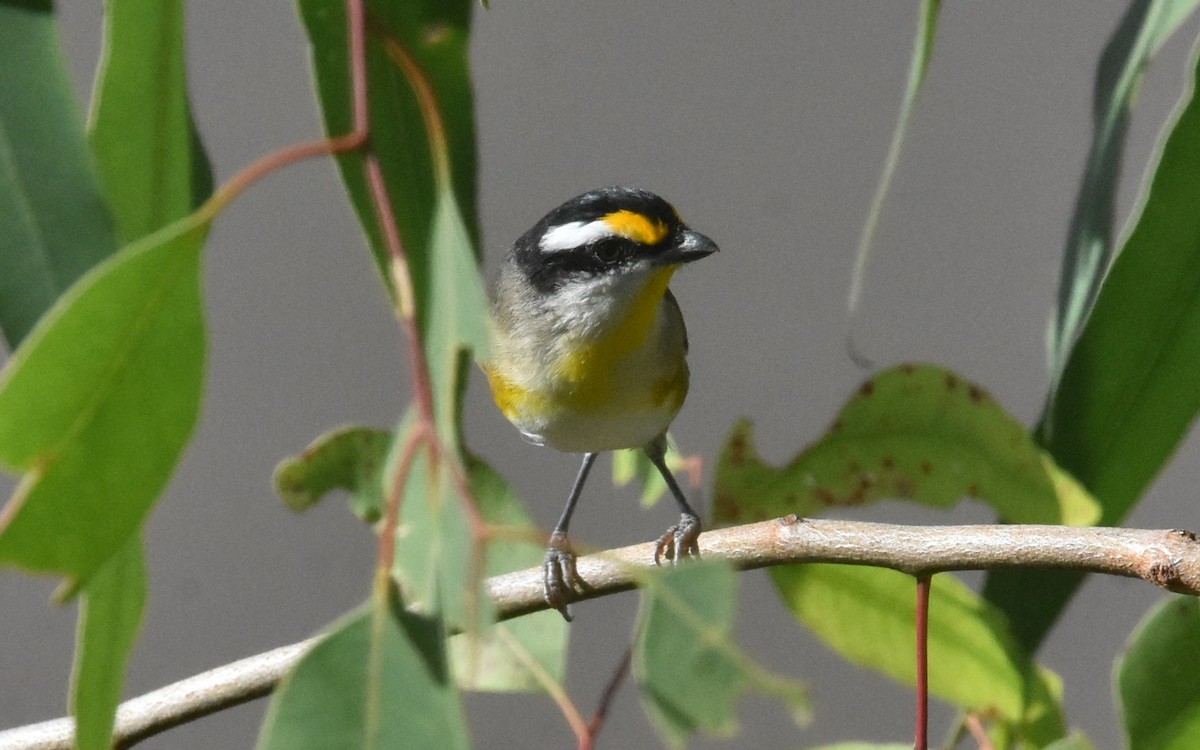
(1169, 559)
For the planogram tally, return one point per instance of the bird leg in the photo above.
(560, 580)
(682, 539)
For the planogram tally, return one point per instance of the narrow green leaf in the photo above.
(685, 662)
(347, 458)
(868, 616)
(917, 432)
(153, 171)
(378, 681)
(98, 403)
(1128, 395)
(457, 319)
(110, 616)
(1158, 678)
(1171, 16)
(1089, 248)
(151, 164)
(423, 135)
(434, 552)
(487, 661)
(438, 563)
(922, 53)
(436, 34)
(53, 222)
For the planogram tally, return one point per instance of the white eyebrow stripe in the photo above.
(574, 234)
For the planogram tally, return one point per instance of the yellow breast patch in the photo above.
(591, 369)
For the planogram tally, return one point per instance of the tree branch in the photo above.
(1169, 559)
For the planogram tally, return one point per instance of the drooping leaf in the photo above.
(1128, 394)
(917, 432)
(53, 222)
(1158, 678)
(354, 459)
(423, 135)
(922, 53)
(378, 681)
(868, 615)
(347, 458)
(486, 661)
(685, 662)
(435, 35)
(1142, 31)
(438, 563)
(153, 171)
(109, 619)
(457, 317)
(151, 163)
(98, 402)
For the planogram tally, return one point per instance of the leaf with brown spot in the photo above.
(913, 439)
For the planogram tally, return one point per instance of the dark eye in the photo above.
(607, 251)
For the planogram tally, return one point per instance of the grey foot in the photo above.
(560, 580)
(680, 541)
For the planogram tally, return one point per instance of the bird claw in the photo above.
(561, 582)
(680, 541)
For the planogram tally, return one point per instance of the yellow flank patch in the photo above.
(637, 227)
(509, 396)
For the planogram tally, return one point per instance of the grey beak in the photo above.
(691, 246)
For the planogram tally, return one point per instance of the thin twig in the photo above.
(922, 736)
(979, 732)
(1167, 558)
(178, 703)
(606, 698)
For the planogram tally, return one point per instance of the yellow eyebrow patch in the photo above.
(637, 227)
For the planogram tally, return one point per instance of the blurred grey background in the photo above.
(766, 124)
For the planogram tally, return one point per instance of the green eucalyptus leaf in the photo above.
(153, 171)
(54, 225)
(685, 662)
(151, 163)
(1158, 678)
(378, 680)
(110, 617)
(435, 34)
(1089, 248)
(488, 660)
(438, 562)
(457, 319)
(915, 431)
(1128, 394)
(918, 66)
(98, 403)
(423, 137)
(346, 458)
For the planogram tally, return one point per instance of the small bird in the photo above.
(589, 349)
